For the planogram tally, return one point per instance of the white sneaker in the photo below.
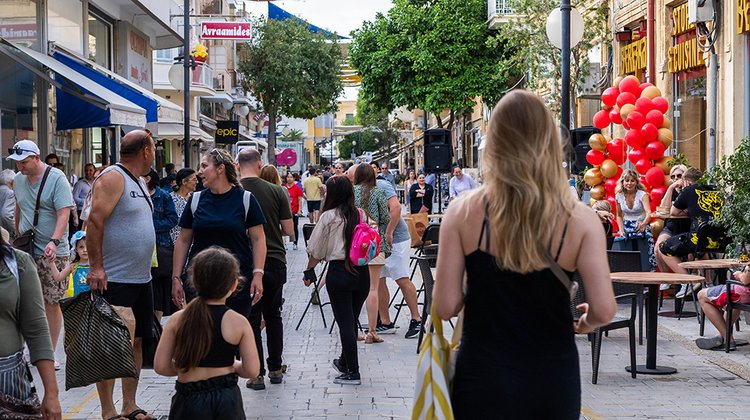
(294, 247)
(664, 286)
(57, 365)
(681, 293)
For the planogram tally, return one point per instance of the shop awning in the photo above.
(157, 108)
(175, 131)
(81, 102)
(219, 97)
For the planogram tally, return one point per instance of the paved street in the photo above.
(708, 384)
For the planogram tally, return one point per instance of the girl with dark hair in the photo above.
(165, 219)
(347, 284)
(373, 200)
(199, 343)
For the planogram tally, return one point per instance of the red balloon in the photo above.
(661, 104)
(636, 120)
(655, 150)
(614, 116)
(619, 173)
(595, 157)
(653, 205)
(644, 183)
(649, 132)
(655, 117)
(601, 119)
(609, 186)
(644, 85)
(643, 165)
(625, 125)
(658, 193)
(613, 203)
(636, 154)
(633, 139)
(625, 98)
(655, 177)
(644, 105)
(616, 150)
(630, 85)
(609, 96)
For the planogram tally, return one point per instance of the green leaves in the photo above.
(433, 55)
(291, 71)
(732, 176)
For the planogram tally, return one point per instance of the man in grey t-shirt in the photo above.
(397, 266)
(51, 230)
(120, 240)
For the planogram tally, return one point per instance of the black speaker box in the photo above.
(579, 141)
(438, 151)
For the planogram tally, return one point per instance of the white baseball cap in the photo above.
(22, 150)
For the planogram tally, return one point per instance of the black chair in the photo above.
(731, 306)
(628, 261)
(307, 230)
(427, 284)
(711, 241)
(617, 323)
(428, 248)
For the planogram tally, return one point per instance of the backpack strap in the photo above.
(194, 202)
(246, 202)
(9, 258)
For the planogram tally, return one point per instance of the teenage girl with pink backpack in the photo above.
(348, 281)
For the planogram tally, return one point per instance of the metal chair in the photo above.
(731, 306)
(596, 337)
(307, 230)
(427, 283)
(629, 261)
(428, 248)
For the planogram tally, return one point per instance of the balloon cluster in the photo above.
(639, 108)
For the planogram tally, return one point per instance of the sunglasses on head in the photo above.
(18, 151)
(676, 176)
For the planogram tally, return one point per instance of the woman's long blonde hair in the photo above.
(526, 189)
(628, 173)
(270, 174)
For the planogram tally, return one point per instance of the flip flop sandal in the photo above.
(139, 412)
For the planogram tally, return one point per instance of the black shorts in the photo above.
(679, 245)
(313, 206)
(139, 298)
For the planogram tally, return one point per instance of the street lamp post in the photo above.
(186, 79)
(565, 31)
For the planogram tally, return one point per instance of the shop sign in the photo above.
(227, 132)
(225, 30)
(18, 31)
(743, 16)
(633, 57)
(136, 48)
(685, 54)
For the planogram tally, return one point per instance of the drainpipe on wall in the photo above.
(746, 99)
(713, 78)
(651, 43)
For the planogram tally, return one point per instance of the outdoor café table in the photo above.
(721, 265)
(653, 280)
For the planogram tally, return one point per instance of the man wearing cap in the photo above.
(51, 231)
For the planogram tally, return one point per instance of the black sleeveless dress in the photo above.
(518, 357)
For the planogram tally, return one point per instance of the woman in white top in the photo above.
(634, 210)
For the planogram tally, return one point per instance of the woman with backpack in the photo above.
(373, 201)
(348, 284)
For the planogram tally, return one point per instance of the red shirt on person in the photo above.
(295, 192)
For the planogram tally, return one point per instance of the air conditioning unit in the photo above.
(700, 11)
(589, 87)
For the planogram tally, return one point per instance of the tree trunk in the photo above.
(450, 121)
(438, 119)
(272, 138)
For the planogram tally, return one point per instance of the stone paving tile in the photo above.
(707, 384)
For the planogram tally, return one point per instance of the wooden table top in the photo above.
(435, 216)
(647, 278)
(711, 264)
(660, 215)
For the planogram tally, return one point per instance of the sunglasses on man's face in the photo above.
(18, 151)
(676, 176)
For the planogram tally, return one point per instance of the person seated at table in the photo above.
(713, 301)
(603, 209)
(702, 203)
(634, 211)
(671, 226)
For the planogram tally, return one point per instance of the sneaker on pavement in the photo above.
(339, 366)
(681, 293)
(709, 343)
(348, 379)
(664, 286)
(256, 383)
(57, 365)
(276, 376)
(414, 327)
(294, 247)
(386, 329)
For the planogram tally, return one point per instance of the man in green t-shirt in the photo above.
(274, 201)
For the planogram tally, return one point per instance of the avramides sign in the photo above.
(225, 30)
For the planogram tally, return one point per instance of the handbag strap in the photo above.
(39, 195)
(570, 285)
(138, 183)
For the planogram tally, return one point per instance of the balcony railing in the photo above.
(202, 76)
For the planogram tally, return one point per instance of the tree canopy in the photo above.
(430, 54)
(291, 71)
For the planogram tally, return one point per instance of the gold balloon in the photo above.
(598, 192)
(665, 136)
(666, 123)
(605, 107)
(657, 225)
(663, 164)
(626, 110)
(650, 92)
(592, 202)
(608, 168)
(597, 142)
(593, 177)
(617, 82)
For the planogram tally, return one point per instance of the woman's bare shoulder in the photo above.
(584, 217)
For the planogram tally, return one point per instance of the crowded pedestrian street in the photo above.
(706, 386)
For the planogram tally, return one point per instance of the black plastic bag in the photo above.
(150, 345)
(97, 342)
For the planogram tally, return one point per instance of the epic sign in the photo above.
(225, 30)
(227, 132)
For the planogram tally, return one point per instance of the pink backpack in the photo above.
(366, 243)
